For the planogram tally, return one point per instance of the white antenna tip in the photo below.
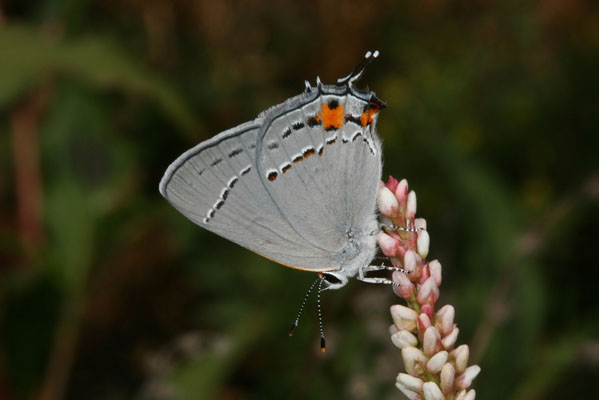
(375, 54)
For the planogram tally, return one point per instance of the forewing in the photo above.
(217, 186)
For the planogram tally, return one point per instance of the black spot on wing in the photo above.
(309, 151)
(312, 122)
(272, 175)
(297, 126)
(246, 170)
(235, 152)
(352, 119)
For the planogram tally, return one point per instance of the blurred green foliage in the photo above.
(107, 292)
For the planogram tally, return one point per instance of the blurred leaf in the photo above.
(30, 57)
(81, 165)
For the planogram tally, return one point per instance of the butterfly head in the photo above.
(333, 280)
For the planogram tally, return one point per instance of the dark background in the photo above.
(106, 292)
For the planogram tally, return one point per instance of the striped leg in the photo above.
(400, 228)
(376, 280)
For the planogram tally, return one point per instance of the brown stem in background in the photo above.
(28, 181)
(530, 242)
(58, 369)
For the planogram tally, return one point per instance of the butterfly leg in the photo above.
(370, 268)
(400, 228)
(381, 281)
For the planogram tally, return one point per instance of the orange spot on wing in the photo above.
(366, 117)
(332, 117)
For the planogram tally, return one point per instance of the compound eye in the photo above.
(331, 279)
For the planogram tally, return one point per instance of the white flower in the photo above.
(404, 318)
(432, 392)
(437, 361)
(404, 339)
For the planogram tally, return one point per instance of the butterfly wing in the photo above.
(320, 160)
(217, 186)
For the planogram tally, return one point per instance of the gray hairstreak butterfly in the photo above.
(296, 185)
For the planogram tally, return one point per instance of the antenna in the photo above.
(301, 310)
(359, 69)
(323, 346)
(318, 280)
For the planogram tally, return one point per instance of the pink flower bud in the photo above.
(420, 223)
(392, 329)
(423, 323)
(432, 392)
(461, 355)
(435, 291)
(430, 341)
(388, 204)
(406, 287)
(423, 243)
(410, 382)
(437, 361)
(428, 310)
(403, 339)
(401, 192)
(448, 341)
(392, 184)
(413, 360)
(424, 273)
(409, 261)
(388, 245)
(404, 317)
(444, 319)
(434, 268)
(411, 206)
(465, 380)
(447, 378)
(428, 293)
